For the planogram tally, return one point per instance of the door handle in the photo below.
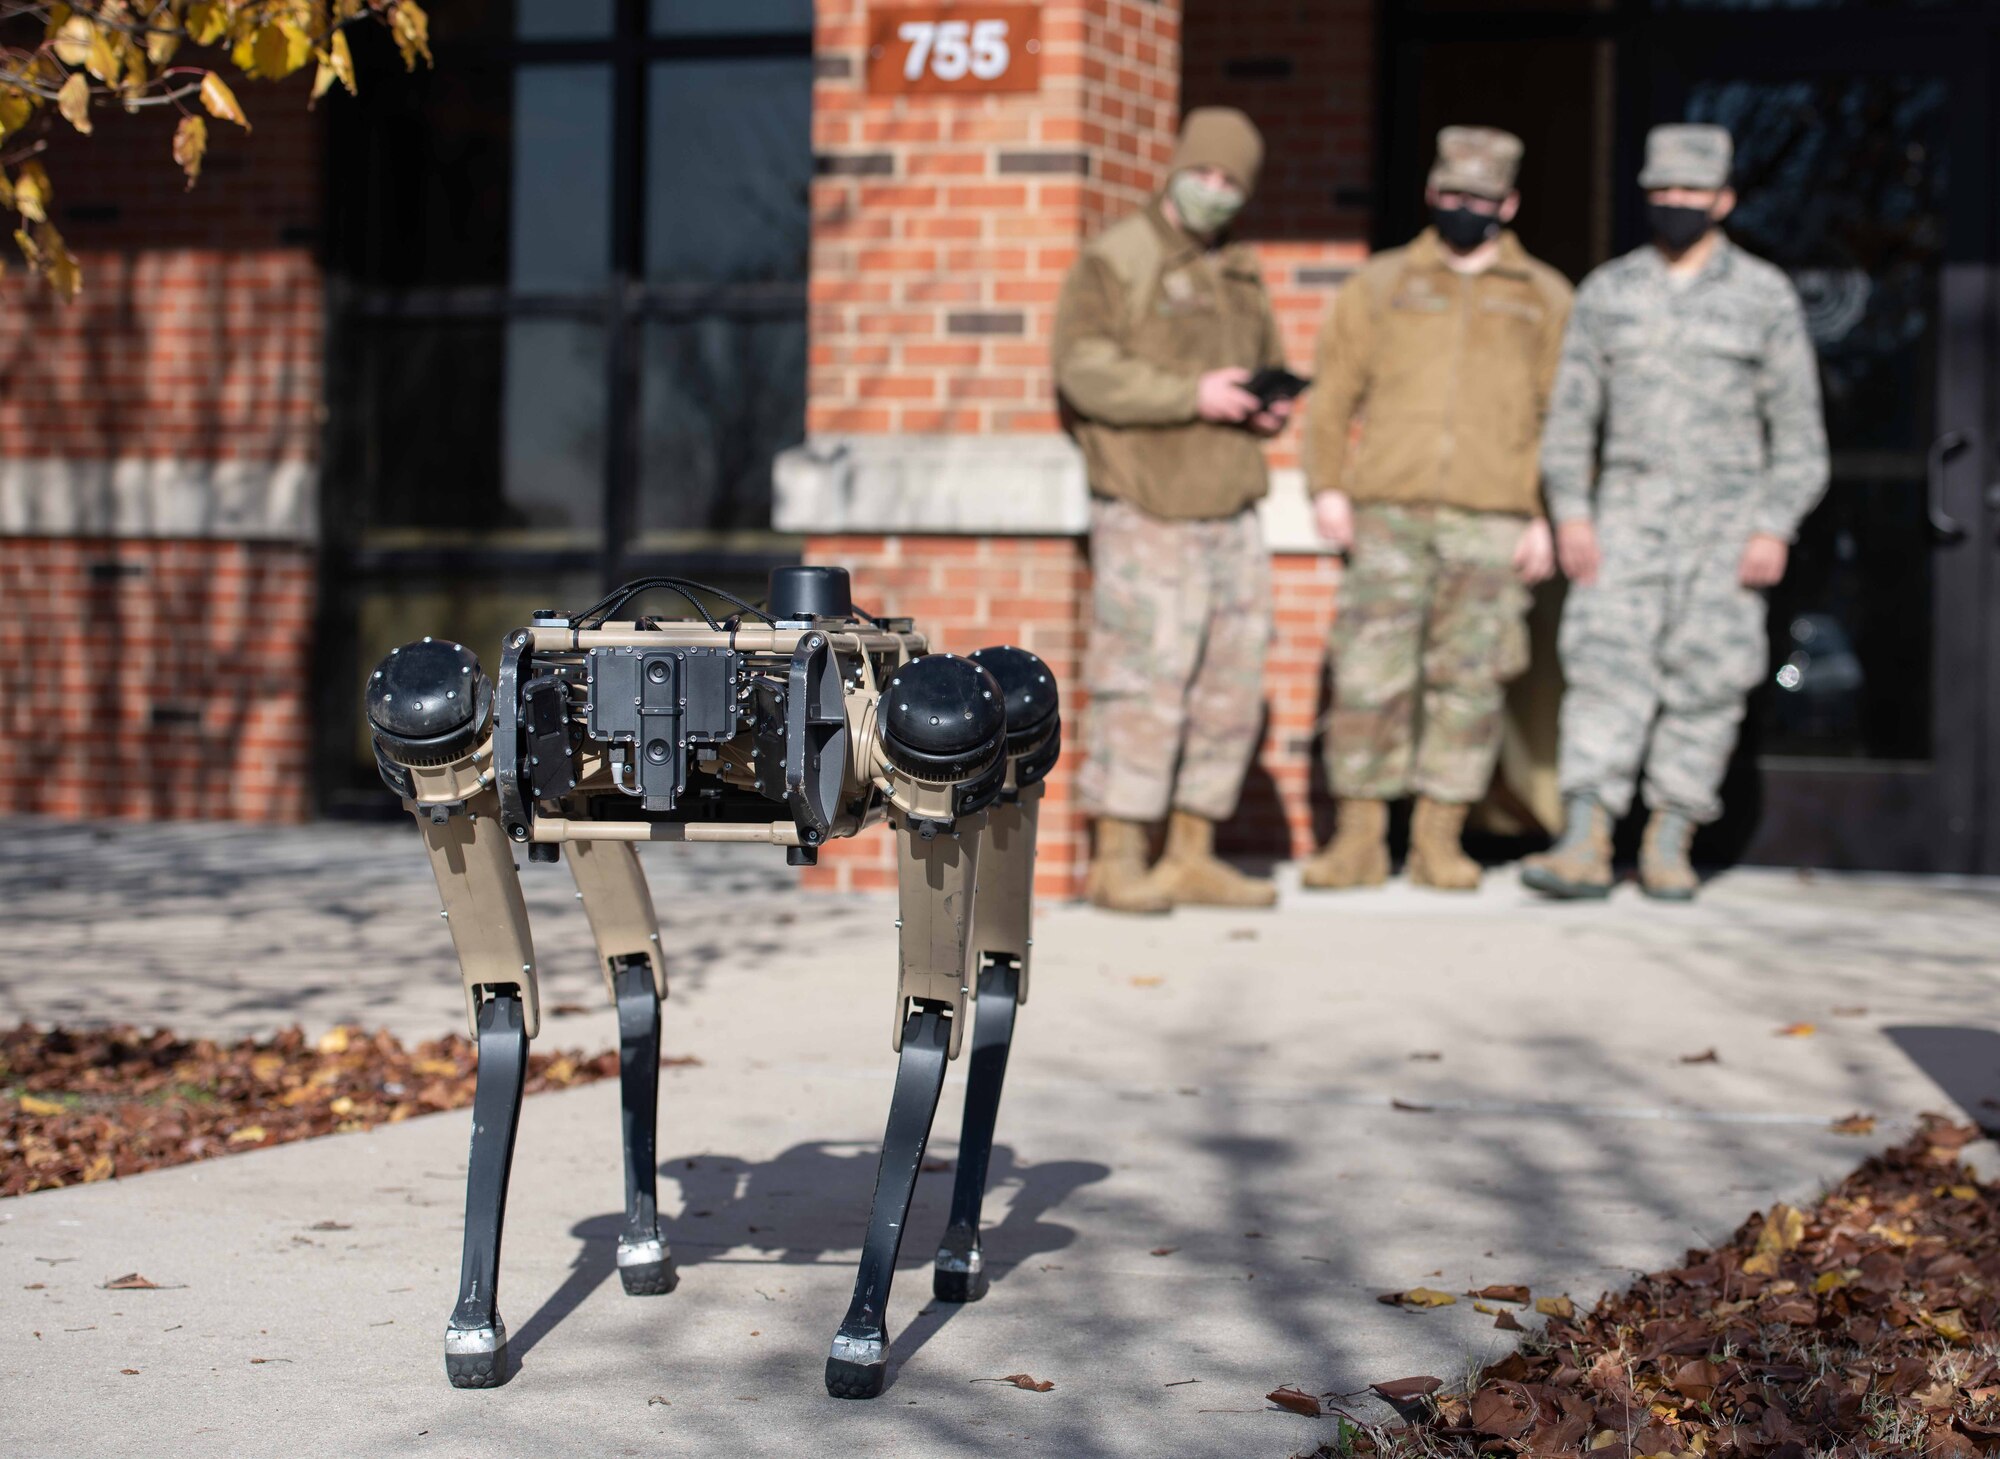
(1947, 448)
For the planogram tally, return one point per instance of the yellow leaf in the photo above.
(1784, 1228)
(435, 1068)
(1798, 1031)
(1762, 1264)
(32, 192)
(104, 59)
(1560, 1307)
(1428, 1297)
(280, 49)
(1949, 1325)
(342, 1106)
(334, 1041)
(30, 1104)
(6, 192)
(1964, 1192)
(1832, 1281)
(412, 30)
(15, 109)
(190, 141)
(73, 101)
(293, 1098)
(1604, 1440)
(342, 60)
(98, 1169)
(267, 1066)
(27, 246)
(248, 1135)
(73, 38)
(207, 21)
(221, 101)
(161, 45)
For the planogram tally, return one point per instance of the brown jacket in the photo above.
(1144, 313)
(1449, 375)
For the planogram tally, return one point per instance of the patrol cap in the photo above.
(1221, 136)
(1482, 161)
(1687, 154)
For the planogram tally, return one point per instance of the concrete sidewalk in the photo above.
(1238, 1088)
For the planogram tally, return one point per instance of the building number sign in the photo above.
(953, 50)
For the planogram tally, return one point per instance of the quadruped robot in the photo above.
(787, 725)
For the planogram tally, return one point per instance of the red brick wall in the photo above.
(150, 679)
(942, 227)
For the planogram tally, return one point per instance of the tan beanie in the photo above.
(1221, 136)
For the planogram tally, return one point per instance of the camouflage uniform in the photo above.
(1706, 393)
(1430, 629)
(1181, 621)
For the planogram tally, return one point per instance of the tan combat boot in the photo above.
(1358, 854)
(1664, 869)
(1119, 880)
(1579, 865)
(1436, 857)
(1190, 873)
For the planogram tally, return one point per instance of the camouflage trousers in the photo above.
(1432, 625)
(1181, 620)
(1658, 654)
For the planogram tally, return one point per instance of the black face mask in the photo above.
(1463, 229)
(1677, 229)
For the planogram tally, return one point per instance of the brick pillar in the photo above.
(942, 228)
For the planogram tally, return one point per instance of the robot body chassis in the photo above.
(813, 724)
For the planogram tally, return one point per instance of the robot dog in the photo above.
(788, 726)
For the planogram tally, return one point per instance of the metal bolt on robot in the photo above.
(789, 725)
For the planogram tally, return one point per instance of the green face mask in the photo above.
(1205, 209)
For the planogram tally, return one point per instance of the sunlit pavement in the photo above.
(1254, 1094)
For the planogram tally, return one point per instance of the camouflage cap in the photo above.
(1687, 154)
(1477, 160)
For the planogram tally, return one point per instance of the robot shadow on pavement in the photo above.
(788, 725)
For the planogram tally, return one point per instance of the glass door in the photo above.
(1864, 168)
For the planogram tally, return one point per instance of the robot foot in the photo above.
(476, 1357)
(857, 1366)
(960, 1272)
(646, 1268)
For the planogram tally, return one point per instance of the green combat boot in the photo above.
(1358, 854)
(1119, 880)
(1664, 870)
(1579, 865)
(1437, 859)
(1190, 873)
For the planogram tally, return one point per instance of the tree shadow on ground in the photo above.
(811, 1202)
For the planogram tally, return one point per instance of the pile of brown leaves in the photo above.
(90, 1105)
(1867, 1325)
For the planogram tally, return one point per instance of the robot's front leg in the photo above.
(474, 864)
(613, 890)
(431, 711)
(1002, 938)
(936, 882)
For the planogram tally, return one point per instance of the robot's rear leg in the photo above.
(858, 1362)
(645, 1265)
(475, 1340)
(960, 1275)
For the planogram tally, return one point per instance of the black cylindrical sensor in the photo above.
(428, 703)
(811, 592)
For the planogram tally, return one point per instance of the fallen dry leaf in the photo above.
(1502, 1292)
(1418, 1297)
(1798, 1031)
(1296, 1400)
(1019, 1380)
(1854, 1124)
(131, 1282)
(1507, 1322)
(1163, 1251)
(1560, 1307)
(1406, 1390)
(1706, 1056)
(1404, 1104)
(32, 1105)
